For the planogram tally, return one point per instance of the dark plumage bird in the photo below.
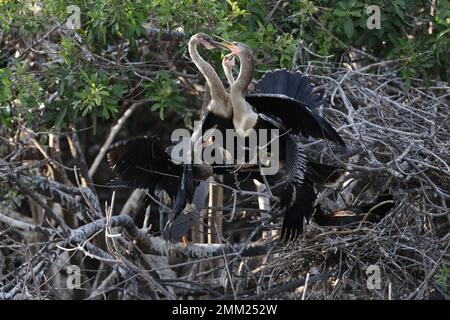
(142, 163)
(284, 101)
(218, 115)
(372, 211)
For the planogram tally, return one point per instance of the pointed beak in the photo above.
(224, 45)
(229, 57)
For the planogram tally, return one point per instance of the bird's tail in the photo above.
(291, 84)
(298, 201)
(298, 196)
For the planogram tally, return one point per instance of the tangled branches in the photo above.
(399, 145)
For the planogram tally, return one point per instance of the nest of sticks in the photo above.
(398, 137)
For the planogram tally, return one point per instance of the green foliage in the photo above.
(244, 21)
(83, 92)
(443, 278)
(95, 95)
(104, 22)
(10, 197)
(20, 95)
(5, 97)
(403, 34)
(89, 89)
(164, 94)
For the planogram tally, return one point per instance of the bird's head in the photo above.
(236, 48)
(204, 40)
(229, 60)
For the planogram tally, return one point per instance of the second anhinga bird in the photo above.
(218, 114)
(354, 214)
(228, 62)
(143, 163)
(284, 100)
(286, 96)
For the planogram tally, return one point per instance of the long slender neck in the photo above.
(228, 73)
(216, 88)
(244, 116)
(237, 91)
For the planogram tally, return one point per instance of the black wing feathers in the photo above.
(130, 159)
(289, 97)
(185, 191)
(298, 202)
(298, 196)
(141, 163)
(291, 84)
(294, 116)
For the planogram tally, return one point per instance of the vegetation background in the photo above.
(91, 90)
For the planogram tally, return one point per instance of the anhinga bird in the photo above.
(219, 107)
(287, 97)
(372, 212)
(218, 115)
(143, 163)
(228, 62)
(284, 100)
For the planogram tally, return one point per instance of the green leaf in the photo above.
(356, 13)
(349, 28)
(85, 75)
(346, 4)
(98, 99)
(85, 111)
(105, 112)
(443, 9)
(340, 13)
(399, 11)
(155, 107)
(60, 117)
(61, 88)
